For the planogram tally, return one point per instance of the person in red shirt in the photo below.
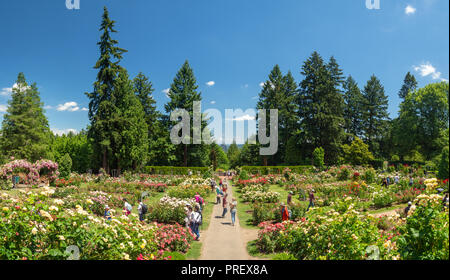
(284, 212)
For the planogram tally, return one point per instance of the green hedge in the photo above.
(172, 170)
(378, 163)
(264, 170)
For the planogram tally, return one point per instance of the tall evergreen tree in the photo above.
(279, 93)
(25, 132)
(102, 101)
(375, 115)
(143, 89)
(321, 107)
(353, 108)
(183, 92)
(409, 85)
(130, 126)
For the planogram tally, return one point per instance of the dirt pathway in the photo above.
(222, 241)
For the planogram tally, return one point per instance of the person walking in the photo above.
(127, 207)
(284, 212)
(289, 198)
(142, 210)
(218, 193)
(407, 208)
(224, 204)
(233, 210)
(199, 200)
(195, 220)
(312, 199)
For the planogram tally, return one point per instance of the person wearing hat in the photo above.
(311, 199)
(408, 208)
(107, 213)
(289, 198)
(284, 212)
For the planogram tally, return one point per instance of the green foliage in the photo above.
(183, 92)
(375, 114)
(409, 85)
(321, 106)
(233, 154)
(318, 157)
(279, 92)
(65, 166)
(425, 234)
(174, 170)
(357, 153)
(353, 111)
(395, 158)
(25, 132)
(422, 122)
(265, 170)
(443, 164)
(77, 146)
(370, 176)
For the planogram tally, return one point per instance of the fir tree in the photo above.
(183, 92)
(25, 132)
(102, 101)
(375, 115)
(409, 85)
(353, 108)
(321, 107)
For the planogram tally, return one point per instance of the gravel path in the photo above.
(222, 241)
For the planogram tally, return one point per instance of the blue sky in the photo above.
(232, 44)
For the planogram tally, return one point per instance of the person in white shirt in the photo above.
(195, 220)
(127, 207)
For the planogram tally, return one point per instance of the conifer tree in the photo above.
(25, 131)
(102, 106)
(353, 108)
(321, 107)
(409, 85)
(183, 92)
(375, 115)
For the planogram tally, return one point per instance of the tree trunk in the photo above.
(185, 155)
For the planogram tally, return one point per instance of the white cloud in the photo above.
(426, 69)
(210, 83)
(68, 106)
(213, 102)
(84, 109)
(410, 10)
(3, 108)
(166, 91)
(48, 107)
(63, 131)
(244, 118)
(246, 86)
(6, 91)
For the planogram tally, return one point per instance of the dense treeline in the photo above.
(325, 112)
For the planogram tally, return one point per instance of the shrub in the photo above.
(443, 164)
(344, 173)
(425, 234)
(65, 166)
(318, 157)
(263, 212)
(369, 176)
(395, 158)
(243, 175)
